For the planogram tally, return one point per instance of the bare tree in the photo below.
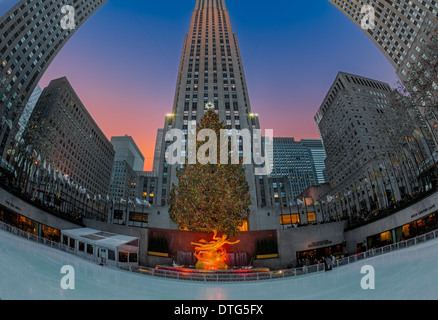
(11, 108)
(422, 80)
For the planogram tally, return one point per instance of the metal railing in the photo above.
(233, 277)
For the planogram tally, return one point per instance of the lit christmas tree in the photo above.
(211, 197)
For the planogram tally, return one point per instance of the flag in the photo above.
(300, 202)
(329, 198)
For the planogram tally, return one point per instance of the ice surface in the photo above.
(31, 271)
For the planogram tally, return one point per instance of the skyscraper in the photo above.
(31, 35)
(318, 158)
(211, 72)
(128, 160)
(64, 134)
(399, 26)
(158, 151)
(294, 160)
(369, 159)
(127, 150)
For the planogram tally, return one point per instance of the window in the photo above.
(289, 219)
(111, 255)
(123, 257)
(133, 257)
(311, 217)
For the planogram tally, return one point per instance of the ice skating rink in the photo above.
(31, 271)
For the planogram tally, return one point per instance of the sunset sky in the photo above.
(123, 62)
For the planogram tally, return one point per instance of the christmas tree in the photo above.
(212, 196)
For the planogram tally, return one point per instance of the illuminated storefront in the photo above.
(140, 220)
(404, 232)
(28, 225)
(318, 253)
(289, 219)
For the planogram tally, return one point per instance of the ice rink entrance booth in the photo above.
(102, 247)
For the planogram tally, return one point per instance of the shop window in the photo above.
(72, 243)
(289, 219)
(311, 217)
(89, 249)
(111, 255)
(50, 233)
(27, 225)
(123, 257)
(385, 237)
(133, 257)
(118, 214)
(81, 246)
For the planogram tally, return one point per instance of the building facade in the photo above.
(64, 134)
(399, 25)
(27, 112)
(127, 150)
(31, 35)
(294, 160)
(128, 160)
(147, 183)
(402, 30)
(318, 158)
(371, 148)
(123, 182)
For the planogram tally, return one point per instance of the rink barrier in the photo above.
(233, 277)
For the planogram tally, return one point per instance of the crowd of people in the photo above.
(328, 262)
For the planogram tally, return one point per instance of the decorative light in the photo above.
(209, 106)
(170, 115)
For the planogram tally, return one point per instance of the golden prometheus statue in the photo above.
(212, 255)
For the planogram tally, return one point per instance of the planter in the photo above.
(267, 256)
(158, 254)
